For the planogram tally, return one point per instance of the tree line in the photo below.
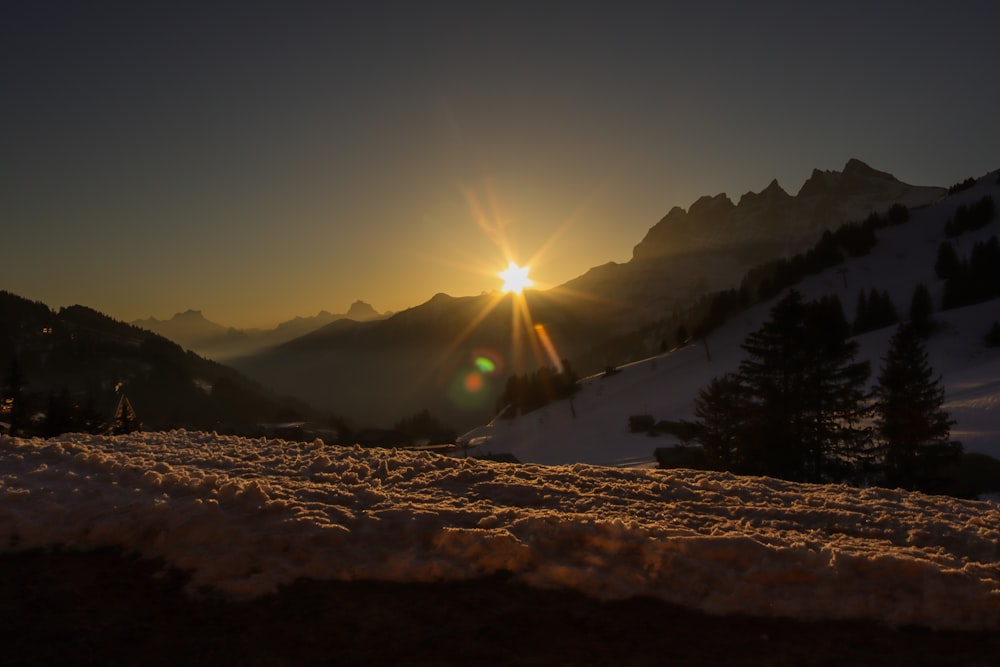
(763, 282)
(798, 408)
(530, 391)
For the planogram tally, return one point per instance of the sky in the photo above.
(259, 161)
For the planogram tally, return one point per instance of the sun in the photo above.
(515, 278)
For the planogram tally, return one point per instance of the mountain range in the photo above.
(67, 369)
(453, 356)
(431, 356)
(193, 331)
(712, 244)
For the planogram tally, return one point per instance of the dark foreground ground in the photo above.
(105, 608)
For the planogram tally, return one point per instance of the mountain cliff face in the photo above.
(773, 217)
(715, 242)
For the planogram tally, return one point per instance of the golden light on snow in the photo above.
(515, 278)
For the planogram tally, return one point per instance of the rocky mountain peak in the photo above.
(710, 208)
(855, 177)
(772, 194)
(856, 166)
(772, 216)
(360, 310)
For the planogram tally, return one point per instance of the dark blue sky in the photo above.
(264, 160)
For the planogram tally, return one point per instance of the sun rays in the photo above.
(488, 344)
(515, 278)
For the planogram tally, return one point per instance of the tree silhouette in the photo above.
(993, 336)
(13, 397)
(913, 431)
(948, 265)
(720, 413)
(874, 311)
(125, 420)
(796, 407)
(921, 308)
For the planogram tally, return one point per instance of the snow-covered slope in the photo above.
(594, 427)
(246, 516)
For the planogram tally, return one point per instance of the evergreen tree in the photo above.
(984, 267)
(125, 420)
(719, 412)
(977, 279)
(774, 380)
(898, 214)
(861, 319)
(913, 430)
(836, 402)
(921, 307)
(993, 336)
(59, 417)
(14, 400)
(682, 335)
(883, 310)
(796, 407)
(874, 311)
(948, 265)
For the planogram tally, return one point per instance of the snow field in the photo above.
(247, 516)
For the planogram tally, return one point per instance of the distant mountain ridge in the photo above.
(76, 360)
(193, 331)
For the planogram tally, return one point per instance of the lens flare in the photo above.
(550, 349)
(474, 383)
(485, 365)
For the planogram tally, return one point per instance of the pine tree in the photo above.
(992, 338)
(875, 310)
(882, 310)
(125, 420)
(921, 307)
(14, 399)
(719, 412)
(837, 403)
(774, 380)
(913, 431)
(800, 398)
(861, 318)
(948, 265)
(681, 337)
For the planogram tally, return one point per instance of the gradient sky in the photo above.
(259, 161)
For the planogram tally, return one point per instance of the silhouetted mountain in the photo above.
(193, 331)
(428, 356)
(77, 359)
(712, 244)
(450, 355)
(777, 220)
